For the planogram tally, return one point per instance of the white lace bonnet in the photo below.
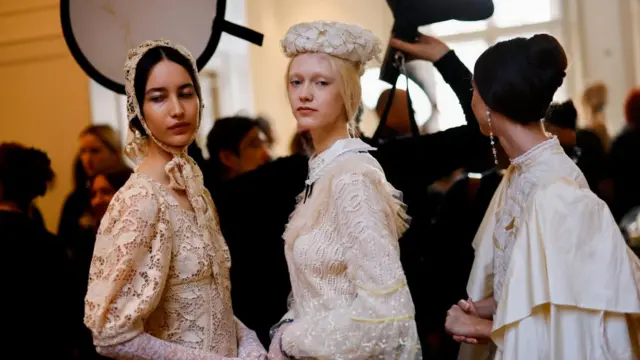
(344, 41)
(181, 168)
(184, 174)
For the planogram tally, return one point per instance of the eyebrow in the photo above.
(313, 75)
(160, 89)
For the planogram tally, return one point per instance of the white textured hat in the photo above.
(345, 41)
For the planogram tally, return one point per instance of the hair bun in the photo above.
(519, 77)
(547, 55)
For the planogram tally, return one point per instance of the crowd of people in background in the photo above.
(240, 145)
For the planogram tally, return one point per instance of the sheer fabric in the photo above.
(350, 298)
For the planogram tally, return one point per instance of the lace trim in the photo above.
(319, 162)
(532, 154)
(524, 174)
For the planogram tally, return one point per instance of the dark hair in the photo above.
(80, 177)
(116, 178)
(563, 115)
(146, 63)
(25, 173)
(226, 134)
(265, 127)
(518, 78)
(632, 107)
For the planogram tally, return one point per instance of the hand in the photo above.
(468, 306)
(426, 48)
(275, 353)
(254, 355)
(466, 327)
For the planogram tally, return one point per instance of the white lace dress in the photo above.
(350, 298)
(157, 290)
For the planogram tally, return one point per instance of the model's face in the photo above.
(95, 155)
(171, 104)
(480, 111)
(314, 92)
(101, 194)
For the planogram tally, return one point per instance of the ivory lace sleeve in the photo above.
(249, 346)
(379, 323)
(129, 266)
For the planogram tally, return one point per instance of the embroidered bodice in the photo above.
(152, 272)
(349, 294)
(536, 167)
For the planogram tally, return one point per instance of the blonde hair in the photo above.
(349, 83)
(107, 135)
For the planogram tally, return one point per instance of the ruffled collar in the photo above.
(319, 162)
(532, 155)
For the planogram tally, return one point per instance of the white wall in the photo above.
(231, 63)
(607, 50)
(273, 18)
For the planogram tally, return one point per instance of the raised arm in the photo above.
(432, 156)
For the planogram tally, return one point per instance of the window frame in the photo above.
(563, 25)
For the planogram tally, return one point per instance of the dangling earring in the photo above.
(493, 142)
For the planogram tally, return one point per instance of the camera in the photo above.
(390, 69)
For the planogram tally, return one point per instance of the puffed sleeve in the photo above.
(129, 266)
(379, 323)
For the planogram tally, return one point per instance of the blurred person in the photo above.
(39, 288)
(594, 102)
(100, 150)
(624, 157)
(267, 130)
(584, 147)
(236, 145)
(102, 187)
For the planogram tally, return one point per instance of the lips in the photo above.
(305, 110)
(180, 125)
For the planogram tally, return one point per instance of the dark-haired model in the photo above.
(159, 283)
(553, 275)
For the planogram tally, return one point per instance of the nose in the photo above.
(177, 110)
(305, 94)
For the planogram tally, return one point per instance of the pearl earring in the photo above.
(492, 139)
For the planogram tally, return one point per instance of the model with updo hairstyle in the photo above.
(521, 87)
(40, 281)
(543, 283)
